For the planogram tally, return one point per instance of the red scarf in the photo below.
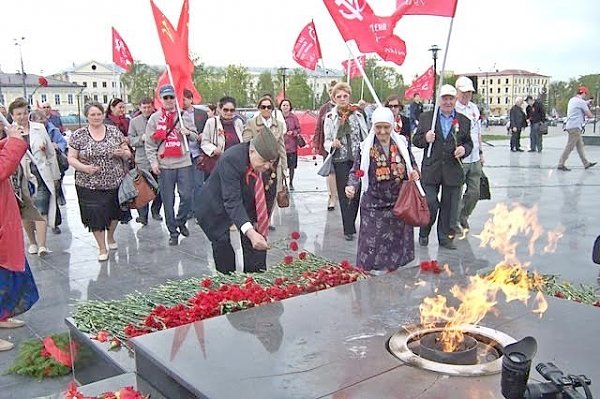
(120, 122)
(166, 131)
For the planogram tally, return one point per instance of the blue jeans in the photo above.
(198, 178)
(535, 138)
(167, 181)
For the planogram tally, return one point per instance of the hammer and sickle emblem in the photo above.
(166, 31)
(353, 9)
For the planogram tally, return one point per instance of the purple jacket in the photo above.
(291, 140)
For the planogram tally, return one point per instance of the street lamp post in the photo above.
(596, 107)
(19, 42)
(434, 50)
(283, 70)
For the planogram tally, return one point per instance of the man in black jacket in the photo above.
(450, 141)
(232, 195)
(536, 115)
(518, 122)
(415, 111)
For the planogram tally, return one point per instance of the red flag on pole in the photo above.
(442, 8)
(307, 49)
(280, 97)
(351, 68)
(422, 86)
(373, 34)
(175, 48)
(121, 54)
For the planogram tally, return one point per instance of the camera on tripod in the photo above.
(516, 364)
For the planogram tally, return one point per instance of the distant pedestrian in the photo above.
(415, 111)
(53, 116)
(577, 110)
(536, 116)
(291, 137)
(517, 122)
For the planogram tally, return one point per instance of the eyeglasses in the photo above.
(343, 95)
(266, 107)
(168, 97)
(394, 105)
(228, 109)
(46, 107)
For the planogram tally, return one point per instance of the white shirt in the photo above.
(472, 112)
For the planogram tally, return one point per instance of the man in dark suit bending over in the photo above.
(450, 142)
(240, 191)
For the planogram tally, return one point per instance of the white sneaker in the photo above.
(42, 251)
(33, 249)
(5, 345)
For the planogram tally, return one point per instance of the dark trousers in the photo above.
(447, 208)
(515, 140)
(535, 138)
(168, 179)
(156, 204)
(348, 207)
(198, 182)
(224, 255)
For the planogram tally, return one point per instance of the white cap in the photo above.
(382, 115)
(464, 84)
(447, 90)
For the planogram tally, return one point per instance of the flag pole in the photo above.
(365, 77)
(362, 89)
(348, 65)
(185, 141)
(437, 103)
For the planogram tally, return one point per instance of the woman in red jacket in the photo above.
(18, 291)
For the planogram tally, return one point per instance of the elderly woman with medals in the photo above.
(384, 241)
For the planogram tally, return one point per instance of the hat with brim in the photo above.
(266, 145)
(447, 90)
(166, 90)
(464, 84)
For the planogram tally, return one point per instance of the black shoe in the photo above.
(448, 245)
(174, 240)
(563, 168)
(271, 228)
(56, 230)
(184, 230)
(531, 151)
(156, 216)
(423, 241)
(331, 208)
(291, 187)
(520, 150)
(141, 220)
(349, 237)
(589, 165)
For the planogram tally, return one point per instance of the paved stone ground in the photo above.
(71, 272)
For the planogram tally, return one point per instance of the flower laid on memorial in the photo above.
(47, 357)
(124, 393)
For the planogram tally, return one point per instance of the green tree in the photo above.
(385, 80)
(265, 84)
(140, 81)
(324, 96)
(236, 82)
(298, 90)
(208, 80)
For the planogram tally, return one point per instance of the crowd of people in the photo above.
(229, 173)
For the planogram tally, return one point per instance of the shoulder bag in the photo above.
(484, 187)
(283, 196)
(411, 206)
(205, 162)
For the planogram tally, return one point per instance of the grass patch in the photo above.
(494, 137)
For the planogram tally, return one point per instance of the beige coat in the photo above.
(254, 126)
(211, 138)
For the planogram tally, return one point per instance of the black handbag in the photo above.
(484, 187)
(543, 129)
(596, 251)
(63, 161)
(301, 141)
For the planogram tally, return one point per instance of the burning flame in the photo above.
(509, 277)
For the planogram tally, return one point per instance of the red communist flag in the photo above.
(351, 68)
(373, 34)
(442, 8)
(423, 86)
(121, 54)
(307, 49)
(175, 48)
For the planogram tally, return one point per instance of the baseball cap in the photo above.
(464, 84)
(583, 90)
(447, 90)
(166, 90)
(528, 98)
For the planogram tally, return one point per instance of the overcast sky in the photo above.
(552, 37)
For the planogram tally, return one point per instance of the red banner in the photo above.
(175, 48)
(351, 68)
(307, 49)
(422, 86)
(373, 34)
(442, 8)
(121, 54)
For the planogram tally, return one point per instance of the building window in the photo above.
(95, 97)
(491, 90)
(505, 100)
(30, 99)
(482, 81)
(104, 84)
(506, 90)
(498, 81)
(70, 99)
(490, 100)
(74, 82)
(114, 84)
(2, 99)
(57, 99)
(84, 84)
(94, 84)
(86, 99)
(498, 90)
(506, 80)
(105, 99)
(44, 97)
(498, 100)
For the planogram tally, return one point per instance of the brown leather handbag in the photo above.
(411, 207)
(146, 192)
(283, 196)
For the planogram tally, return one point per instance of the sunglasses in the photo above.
(266, 107)
(228, 109)
(168, 97)
(394, 105)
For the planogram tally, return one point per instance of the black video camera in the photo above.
(516, 364)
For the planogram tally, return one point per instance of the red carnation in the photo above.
(294, 246)
(42, 81)
(359, 173)
(455, 122)
(345, 264)
(302, 255)
(288, 260)
(206, 283)
(314, 157)
(295, 235)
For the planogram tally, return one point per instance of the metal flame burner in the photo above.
(480, 355)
